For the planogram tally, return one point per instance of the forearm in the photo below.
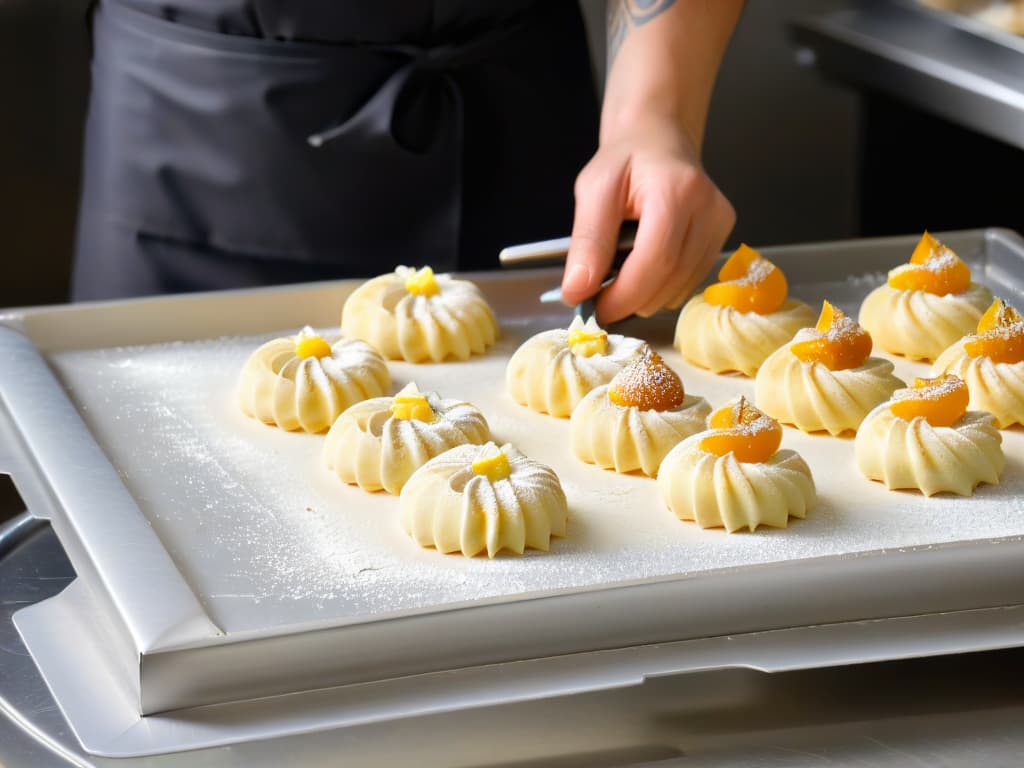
(663, 57)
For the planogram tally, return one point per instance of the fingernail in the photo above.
(577, 278)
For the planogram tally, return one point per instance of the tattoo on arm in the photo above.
(626, 14)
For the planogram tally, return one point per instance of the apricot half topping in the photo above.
(742, 430)
(647, 383)
(1000, 335)
(422, 282)
(840, 342)
(748, 283)
(586, 339)
(941, 401)
(933, 268)
(410, 404)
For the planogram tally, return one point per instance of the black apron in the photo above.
(234, 143)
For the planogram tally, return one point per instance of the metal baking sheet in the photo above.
(282, 580)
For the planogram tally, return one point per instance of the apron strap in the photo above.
(376, 117)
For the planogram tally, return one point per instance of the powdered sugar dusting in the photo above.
(843, 329)
(748, 421)
(757, 272)
(1002, 333)
(937, 389)
(267, 537)
(648, 383)
(941, 259)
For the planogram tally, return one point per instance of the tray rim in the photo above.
(195, 630)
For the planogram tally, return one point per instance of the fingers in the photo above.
(684, 222)
(688, 268)
(722, 220)
(654, 260)
(600, 204)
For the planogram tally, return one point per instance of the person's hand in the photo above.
(652, 174)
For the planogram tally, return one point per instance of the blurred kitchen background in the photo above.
(810, 143)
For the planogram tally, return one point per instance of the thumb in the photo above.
(595, 233)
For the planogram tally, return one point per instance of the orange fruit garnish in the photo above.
(1000, 335)
(410, 404)
(312, 346)
(647, 383)
(933, 268)
(587, 339)
(749, 283)
(941, 402)
(742, 430)
(492, 463)
(422, 283)
(840, 344)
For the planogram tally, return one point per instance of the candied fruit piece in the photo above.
(1000, 335)
(941, 401)
(647, 383)
(749, 283)
(999, 315)
(586, 339)
(311, 345)
(742, 430)
(933, 268)
(422, 283)
(492, 463)
(410, 404)
(840, 344)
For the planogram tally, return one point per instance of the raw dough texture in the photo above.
(471, 500)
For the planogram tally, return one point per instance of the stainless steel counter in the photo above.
(950, 66)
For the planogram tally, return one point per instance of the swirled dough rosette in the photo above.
(724, 339)
(925, 305)
(380, 442)
(991, 363)
(913, 453)
(633, 422)
(553, 370)
(920, 325)
(825, 379)
(738, 322)
(994, 387)
(305, 381)
(472, 499)
(418, 316)
(734, 475)
(719, 491)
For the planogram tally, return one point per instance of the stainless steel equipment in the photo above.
(943, 63)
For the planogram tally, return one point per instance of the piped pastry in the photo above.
(474, 499)
(633, 422)
(991, 363)
(825, 379)
(736, 323)
(925, 305)
(925, 438)
(734, 475)
(378, 443)
(305, 381)
(553, 370)
(418, 316)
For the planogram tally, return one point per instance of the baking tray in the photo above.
(218, 562)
